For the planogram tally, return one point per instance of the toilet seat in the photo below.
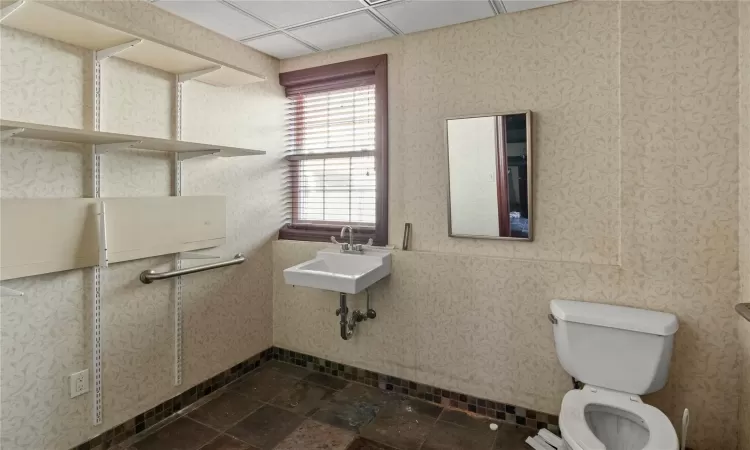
(577, 434)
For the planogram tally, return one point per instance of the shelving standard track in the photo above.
(96, 294)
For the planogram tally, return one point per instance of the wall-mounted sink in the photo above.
(341, 272)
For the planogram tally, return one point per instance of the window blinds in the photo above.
(331, 152)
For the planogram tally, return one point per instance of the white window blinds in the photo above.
(331, 154)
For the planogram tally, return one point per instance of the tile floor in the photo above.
(285, 407)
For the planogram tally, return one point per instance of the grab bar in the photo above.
(149, 276)
(743, 309)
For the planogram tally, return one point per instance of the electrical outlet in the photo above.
(79, 383)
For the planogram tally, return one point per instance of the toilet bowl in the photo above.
(618, 353)
(600, 419)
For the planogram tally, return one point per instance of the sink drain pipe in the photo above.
(348, 324)
(346, 330)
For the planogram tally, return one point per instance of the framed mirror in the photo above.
(490, 176)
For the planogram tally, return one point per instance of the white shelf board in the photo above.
(164, 58)
(63, 134)
(227, 76)
(49, 22)
(46, 20)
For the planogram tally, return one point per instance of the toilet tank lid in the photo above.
(611, 316)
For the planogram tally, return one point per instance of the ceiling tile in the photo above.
(215, 16)
(343, 31)
(283, 13)
(279, 45)
(417, 15)
(512, 6)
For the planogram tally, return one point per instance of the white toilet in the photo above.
(619, 354)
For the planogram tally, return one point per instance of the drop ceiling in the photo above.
(289, 28)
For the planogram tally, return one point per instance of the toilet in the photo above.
(619, 354)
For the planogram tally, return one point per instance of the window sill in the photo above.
(323, 233)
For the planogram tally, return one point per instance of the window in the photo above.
(337, 150)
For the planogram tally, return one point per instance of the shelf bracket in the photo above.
(7, 134)
(8, 292)
(105, 53)
(8, 10)
(101, 149)
(181, 78)
(194, 255)
(196, 154)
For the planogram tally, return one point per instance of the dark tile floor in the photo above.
(285, 407)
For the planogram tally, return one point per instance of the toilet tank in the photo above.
(615, 347)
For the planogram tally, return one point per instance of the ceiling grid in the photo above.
(288, 28)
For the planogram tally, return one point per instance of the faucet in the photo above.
(349, 246)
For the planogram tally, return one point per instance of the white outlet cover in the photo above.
(79, 383)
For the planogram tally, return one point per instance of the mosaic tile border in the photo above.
(151, 417)
(503, 412)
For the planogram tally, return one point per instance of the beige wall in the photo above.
(744, 326)
(636, 204)
(636, 125)
(46, 334)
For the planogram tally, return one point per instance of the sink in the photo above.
(341, 272)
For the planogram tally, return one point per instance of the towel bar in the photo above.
(149, 276)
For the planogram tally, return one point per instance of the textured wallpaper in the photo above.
(636, 128)
(744, 326)
(636, 196)
(45, 335)
(481, 71)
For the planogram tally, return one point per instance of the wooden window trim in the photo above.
(344, 75)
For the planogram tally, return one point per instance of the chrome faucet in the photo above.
(350, 247)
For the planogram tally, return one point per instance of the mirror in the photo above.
(489, 176)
